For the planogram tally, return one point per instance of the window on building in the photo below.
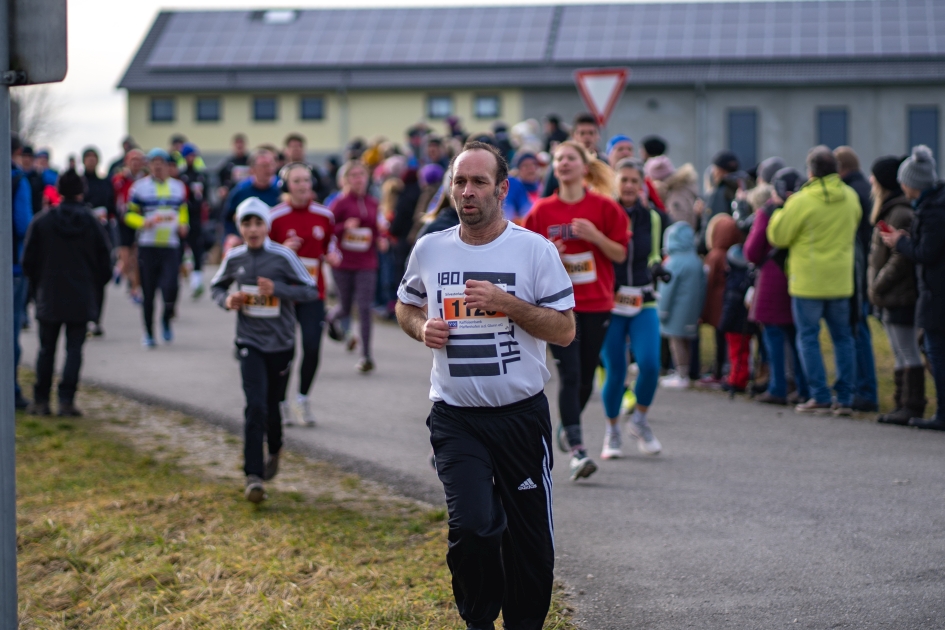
(162, 109)
(208, 108)
(487, 106)
(832, 126)
(439, 106)
(312, 108)
(923, 128)
(264, 108)
(743, 136)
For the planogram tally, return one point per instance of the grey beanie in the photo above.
(918, 170)
(769, 167)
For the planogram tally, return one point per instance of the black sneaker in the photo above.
(255, 491)
(39, 408)
(69, 410)
(861, 404)
(933, 424)
(335, 333)
(272, 467)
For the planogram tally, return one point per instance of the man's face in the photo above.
(911, 193)
(434, 151)
(254, 231)
(620, 151)
(263, 169)
(135, 163)
(89, 162)
(295, 151)
(718, 174)
(26, 162)
(190, 159)
(587, 135)
(159, 169)
(239, 146)
(528, 170)
(476, 197)
(42, 163)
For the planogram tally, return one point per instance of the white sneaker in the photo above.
(305, 411)
(674, 382)
(288, 414)
(639, 428)
(612, 444)
(582, 466)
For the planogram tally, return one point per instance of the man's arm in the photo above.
(434, 333)
(543, 323)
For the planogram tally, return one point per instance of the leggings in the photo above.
(905, 346)
(356, 287)
(643, 331)
(159, 268)
(310, 316)
(576, 364)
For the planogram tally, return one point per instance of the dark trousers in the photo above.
(311, 316)
(195, 239)
(265, 377)
(158, 268)
(576, 364)
(46, 360)
(935, 349)
(495, 466)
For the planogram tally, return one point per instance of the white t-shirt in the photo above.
(488, 361)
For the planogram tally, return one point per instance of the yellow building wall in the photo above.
(365, 114)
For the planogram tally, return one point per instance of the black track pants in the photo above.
(576, 365)
(495, 466)
(265, 377)
(311, 316)
(159, 268)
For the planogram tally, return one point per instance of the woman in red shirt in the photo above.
(308, 229)
(590, 231)
(358, 233)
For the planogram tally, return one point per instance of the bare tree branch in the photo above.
(34, 113)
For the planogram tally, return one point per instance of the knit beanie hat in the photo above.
(70, 185)
(769, 167)
(654, 145)
(726, 160)
(659, 168)
(885, 170)
(918, 170)
(787, 181)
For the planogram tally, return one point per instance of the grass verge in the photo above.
(120, 532)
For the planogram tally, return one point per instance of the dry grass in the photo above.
(133, 517)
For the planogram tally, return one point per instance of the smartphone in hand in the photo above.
(884, 227)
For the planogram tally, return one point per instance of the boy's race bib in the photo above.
(580, 267)
(462, 319)
(266, 306)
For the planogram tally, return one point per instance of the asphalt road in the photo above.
(751, 517)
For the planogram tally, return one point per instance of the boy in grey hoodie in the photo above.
(270, 278)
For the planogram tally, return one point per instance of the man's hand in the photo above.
(586, 231)
(235, 301)
(149, 222)
(183, 230)
(266, 286)
(484, 296)
(891, 238)
(435, 333)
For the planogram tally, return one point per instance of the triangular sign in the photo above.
(601, 89)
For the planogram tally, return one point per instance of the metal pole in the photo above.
(8, 599)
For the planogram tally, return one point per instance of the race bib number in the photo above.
(264, 306)
(628, 301)
(165, 225)
(580, 267)
(462, 319)
(357, 240)
(312, 265)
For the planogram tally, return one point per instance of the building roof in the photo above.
(731, 43)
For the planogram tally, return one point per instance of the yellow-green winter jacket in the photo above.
(818, 225)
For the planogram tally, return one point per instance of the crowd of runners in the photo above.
(488, 246)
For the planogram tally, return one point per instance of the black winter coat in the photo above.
(100, 193)
(67, 261)
(924, 247)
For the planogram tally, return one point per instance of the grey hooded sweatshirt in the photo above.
(269, 323)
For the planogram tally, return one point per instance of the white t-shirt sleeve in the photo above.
(553, 288)
(412, 291)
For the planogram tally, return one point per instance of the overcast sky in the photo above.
(103, 37)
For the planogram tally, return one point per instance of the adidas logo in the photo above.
(528, 484)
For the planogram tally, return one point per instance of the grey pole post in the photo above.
(8, 599)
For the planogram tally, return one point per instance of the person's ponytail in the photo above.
(601, 179)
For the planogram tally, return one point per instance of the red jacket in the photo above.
(315, 225)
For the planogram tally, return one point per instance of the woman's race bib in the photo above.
(462, 319)
(312, 265)
(265, 306)
(580, 267)
(628, 301)
(357, 240)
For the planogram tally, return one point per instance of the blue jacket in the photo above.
(681, 299)
(22, 215)
(244, 190)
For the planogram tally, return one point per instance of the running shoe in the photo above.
(335, 333)
(674, 382)
(255, 491)
(814, 407)
(288, 414)
(612, 444)
(272, 467)
(148, 342)
(629, 403)
(562, 439)
(351, 342)
(582, 466)
(97, 330)
(842, 410)
(305, 409)
(166, 332)
(136, 297)
(365, 365)
(196, 292)
(639, 428)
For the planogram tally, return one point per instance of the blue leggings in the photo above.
(643, 330)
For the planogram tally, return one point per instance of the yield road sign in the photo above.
(601, 89)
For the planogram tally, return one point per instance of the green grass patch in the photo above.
(109, 537)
